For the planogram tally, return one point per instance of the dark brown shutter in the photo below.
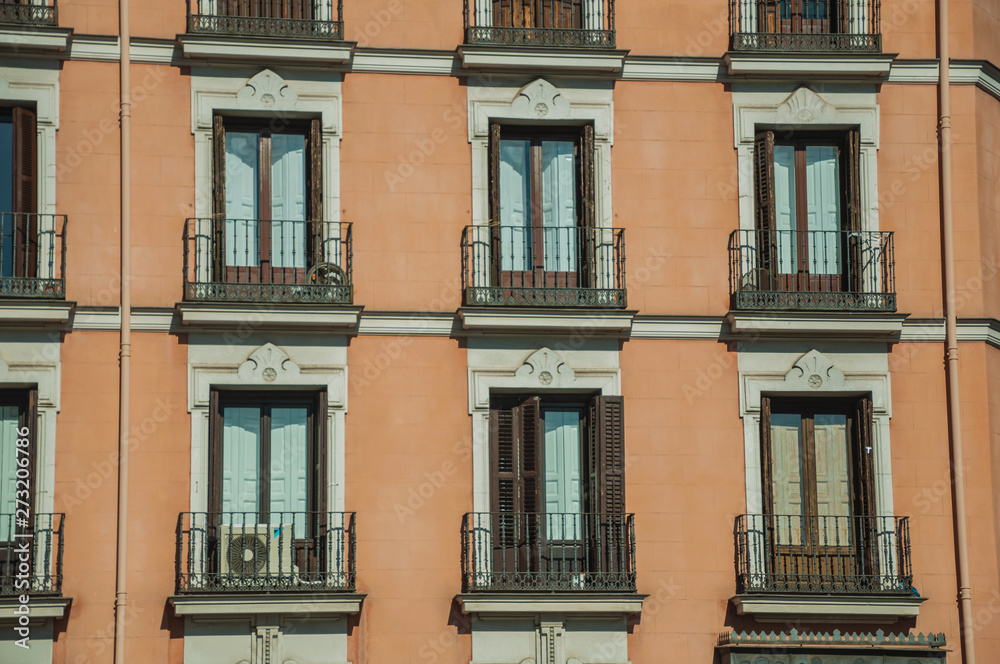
(318, 462)
(25, 192)
(586, 205)
(852, 210)
(214, 452)
(30, 418)
(606, 434)
(494, 183)
(515, 441)
(218, 196)
(767, 502)
(863, 451)
(316, 190)
(764, 206)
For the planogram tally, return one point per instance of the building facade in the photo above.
(499, 332)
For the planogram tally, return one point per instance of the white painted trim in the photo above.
(504, 365)
(97, 318)
(566, 604)
(28, 359)
(521, 320)
(248, 50)
(399, 61)
(35, 314)
(41, 41)
(575, 61)
(238, 361)
(298, 604)
(391, 323)
(829, 609)
(230, 316)
(824, 324)
(42, 608)
(654, 68)
(809, 67)
(677, 327)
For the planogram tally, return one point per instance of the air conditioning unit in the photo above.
(252, 555)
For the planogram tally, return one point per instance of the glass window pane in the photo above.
(240, 459)
(784, 207)
(823, 195)
(562, 464)
(8, 459)
(242, 182)
(833, 478)
(289, 463)
(6, 197)
(288, 200)
(515, 204)
(559, 217)
(786, 476)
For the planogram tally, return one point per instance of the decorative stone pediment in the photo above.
(547, 369)
(267, 91)
(269, 365)
(814, 371)
(804, 107)
(542, 100)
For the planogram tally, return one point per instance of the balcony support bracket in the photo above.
(825, 608)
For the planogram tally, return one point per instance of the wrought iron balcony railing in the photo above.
(551, 23)
(546, 552)
(244, 260)
(285, 19)
(535, 266)
(805, 25)
(814, 270)
(36, 13)
(32, 255)
(823, 554)
(31, 554)
(265, 552)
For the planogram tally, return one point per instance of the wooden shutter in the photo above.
(852, 210)
(767, 503)
(214, 452)
(318, 455)
(586, 207)
(315, 166)
(31, 421)
(764, 206)
(606, 454)
(864, 510)
(218, 197)
(494, 193)
(25, 192)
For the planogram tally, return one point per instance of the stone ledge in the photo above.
(263, 50)
(561, 603)
(512, 58)
(827, 608)
(26, 313)
(840, 324)
(21, 40)
(223, 605)
(857, 66)
(44, 607)
(210, 315)
(589, 321)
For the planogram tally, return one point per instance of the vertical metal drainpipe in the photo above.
(951, 340)
(126, 331)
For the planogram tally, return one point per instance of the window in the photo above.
(267, 455)
(557, 484)
(808, 212)
(18, 193)
(804, 16)
(18, 409)
(559, 14)
(542, 200)
(819, 492)
(268, 189)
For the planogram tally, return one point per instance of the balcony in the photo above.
(526, 552)
(507, 266)
(588, 24)
(835, 555)
(35, 13)
(43, 544)
(282, 19)
(251, 552)
(805, 26)
(32, 255)
(250, 261)
(812, 271)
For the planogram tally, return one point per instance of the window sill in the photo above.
(40, 607)
(35, 314)
(271, 316)
(835, 65)
(827, 608)
(561, 603)
(591, 322)
(534, 58)
(24, 39)
(236, 48)
(846, 324)
(209, 605)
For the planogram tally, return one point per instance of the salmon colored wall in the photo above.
(90, 17)
(986, 29)
(409, 477)
(988, 189)
(158, 19)
(406, 184)
(427, 24)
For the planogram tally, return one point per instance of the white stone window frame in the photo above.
(858, 16)
(38, 86)
(839, 108)
(263, 94)
(814, 374)
(211, 366)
